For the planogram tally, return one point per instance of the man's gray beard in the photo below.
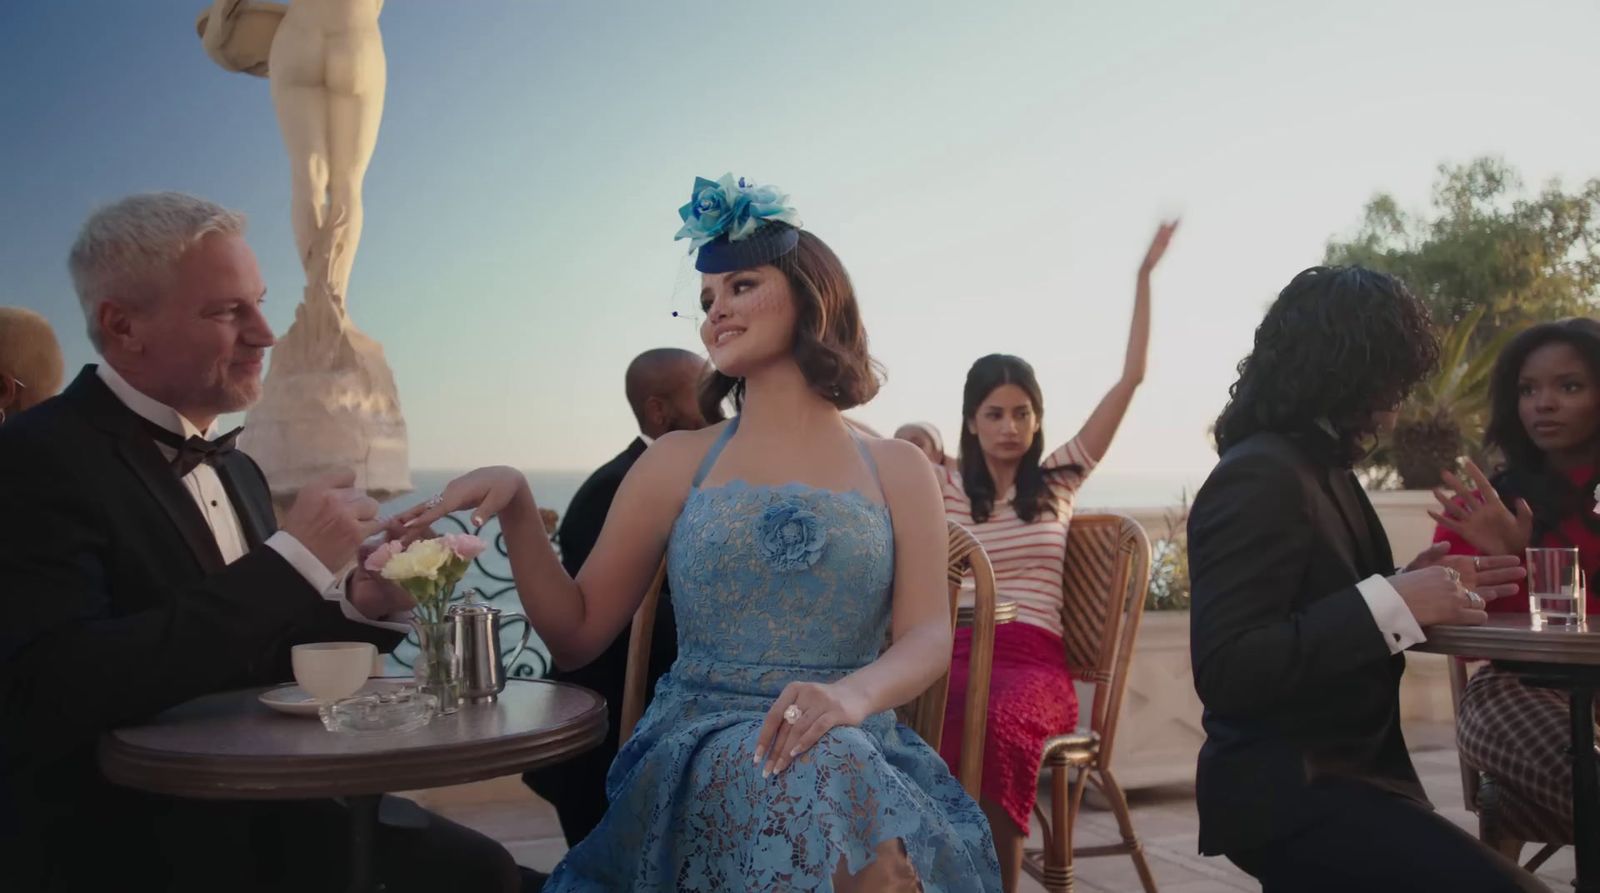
(240, 399)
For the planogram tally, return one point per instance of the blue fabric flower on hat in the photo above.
(791, 538)
(736, 208)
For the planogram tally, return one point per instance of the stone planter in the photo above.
(1404, 514)
(1159, 736)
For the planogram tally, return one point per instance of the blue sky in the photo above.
(989, 172)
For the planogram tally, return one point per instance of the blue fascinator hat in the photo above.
(736, 224)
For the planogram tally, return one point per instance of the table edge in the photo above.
(300, 777)
(1499, 643)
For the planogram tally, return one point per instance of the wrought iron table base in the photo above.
(1580, 682)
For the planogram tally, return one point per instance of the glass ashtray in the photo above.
(387, 711)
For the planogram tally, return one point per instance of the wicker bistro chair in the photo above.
(1506, 822)
(925, 714)
(1107, 571)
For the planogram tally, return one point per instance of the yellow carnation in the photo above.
(421, 561)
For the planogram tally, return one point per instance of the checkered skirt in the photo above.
(1520, 736)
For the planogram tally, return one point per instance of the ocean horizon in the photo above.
(554, 489)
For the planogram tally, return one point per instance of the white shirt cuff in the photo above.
(327, 584)
(301, 559)
(395, 622)
(1389, 611)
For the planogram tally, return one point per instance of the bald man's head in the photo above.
(662, 387)
(30, 359)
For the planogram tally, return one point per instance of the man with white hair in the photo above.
(143, 567)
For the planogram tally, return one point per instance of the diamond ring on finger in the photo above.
(435, 502)
(1475, 600)
(792, 715)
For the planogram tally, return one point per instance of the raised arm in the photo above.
(1095, 436)
(578, 618)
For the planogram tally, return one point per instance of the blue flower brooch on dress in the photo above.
(736, 224)
(791, 537)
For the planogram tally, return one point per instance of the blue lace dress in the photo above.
(773, 585)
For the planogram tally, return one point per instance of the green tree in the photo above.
(1488, 258)
(1487, 243)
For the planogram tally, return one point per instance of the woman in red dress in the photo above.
(1545, 418)
(1017, 503)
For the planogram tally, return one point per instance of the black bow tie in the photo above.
(192, 451)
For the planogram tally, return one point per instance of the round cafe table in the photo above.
(229, 746)
(1561, 657)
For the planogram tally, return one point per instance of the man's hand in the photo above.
(1490, 576)
(372, 595)
(1436, 594)
(331, 518)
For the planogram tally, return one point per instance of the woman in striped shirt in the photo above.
(1017, 502)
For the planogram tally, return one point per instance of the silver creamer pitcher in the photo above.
(476, 629)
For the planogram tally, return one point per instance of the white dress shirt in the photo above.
(206, 487)
(1400, 629)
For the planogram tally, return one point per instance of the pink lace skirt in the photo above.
(1030, 699)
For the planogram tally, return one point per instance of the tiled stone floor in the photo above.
(1164, 818)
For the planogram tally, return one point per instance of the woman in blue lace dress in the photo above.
(770, 758)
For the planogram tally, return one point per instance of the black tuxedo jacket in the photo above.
(117, 605)
(1296, 679)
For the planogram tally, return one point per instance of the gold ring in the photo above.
(792, 715)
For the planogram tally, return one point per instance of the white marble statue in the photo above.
(329, 399)
(327, 71)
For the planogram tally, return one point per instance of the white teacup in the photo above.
(331, 671)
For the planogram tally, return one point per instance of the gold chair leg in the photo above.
(1058, 865)
(1119, 807)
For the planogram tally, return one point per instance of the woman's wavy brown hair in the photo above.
(830, 343)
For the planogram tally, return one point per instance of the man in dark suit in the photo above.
(143, 567)
(1300, 617)
(661, 386)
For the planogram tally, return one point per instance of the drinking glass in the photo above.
(1555, 587)
(330, 671)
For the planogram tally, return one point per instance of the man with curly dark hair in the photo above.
(1300, 617)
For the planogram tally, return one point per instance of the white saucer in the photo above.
(293, 700)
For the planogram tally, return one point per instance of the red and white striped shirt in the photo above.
(1026, 556)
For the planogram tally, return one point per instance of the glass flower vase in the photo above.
(438, 665)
